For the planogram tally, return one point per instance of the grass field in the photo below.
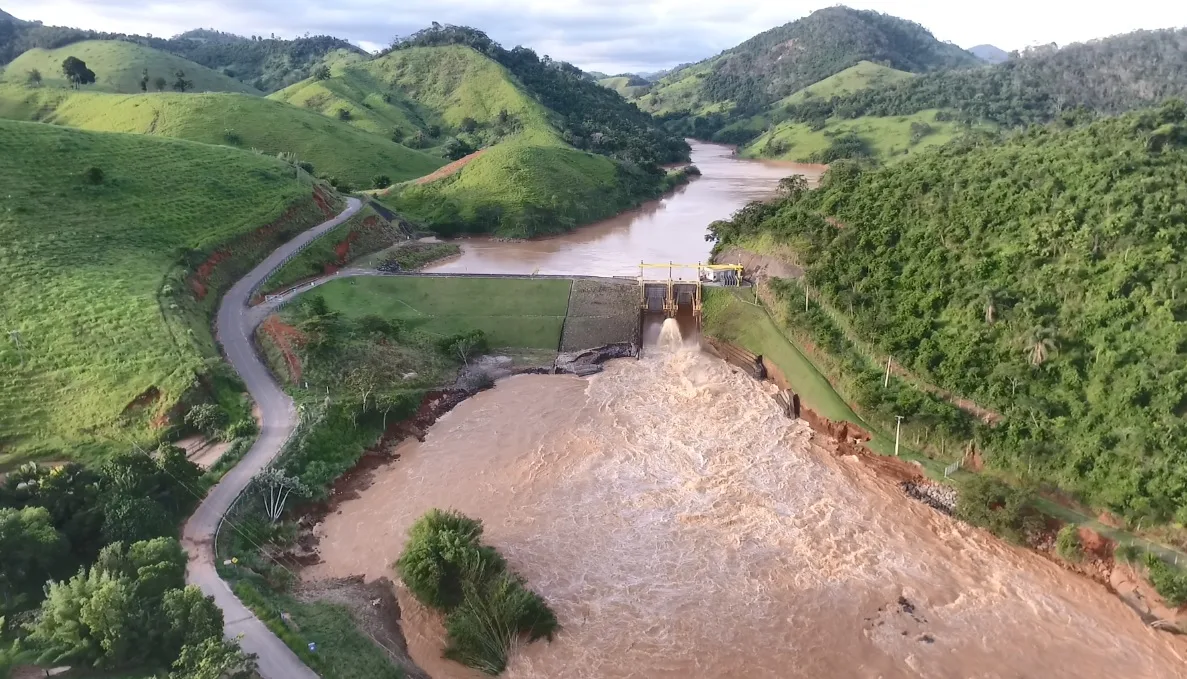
(681, 91)
(364, 233)
(512, 312)
(118, 66)
(243, 121)
(889, 138)
(84, 266)
(858, 77)
(622, 85)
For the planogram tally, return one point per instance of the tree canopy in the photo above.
(1042, 277)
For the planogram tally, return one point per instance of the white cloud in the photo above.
(606, 35)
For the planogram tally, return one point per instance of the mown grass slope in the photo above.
(513, 312)
(333, 147)
(88, 326)
(118, 67)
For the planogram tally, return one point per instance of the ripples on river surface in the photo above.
(680, 526)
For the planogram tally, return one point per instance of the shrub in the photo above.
(1168, 581)
(1068, 545)
(232, 137)
(240, 429)
(397, 134)
(343, 114)
(372, 324)
(488, 608)
(381, 181)
(463, 346)
(322, 72)
(93, 175)
(308, 167)
(1003, 510)
(1127, 553)
(206, 418)
(491, 617)
(442, 546)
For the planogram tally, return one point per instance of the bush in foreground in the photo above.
(1168, 581)
(446, 567)
(1003, 510)
(1068, 545)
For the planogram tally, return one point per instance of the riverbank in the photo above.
(671, 228)
(681, 463)
(731, 318)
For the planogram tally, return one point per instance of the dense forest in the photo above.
(595, 118)
(264, 63)
(783, 60)
(1042, 277)
(1108, 76)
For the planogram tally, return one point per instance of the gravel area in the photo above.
(935, 495)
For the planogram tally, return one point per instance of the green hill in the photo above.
(860, 76)
(1043, 278)
(629, 86)
(784, 60)
(99, 338)
(333, 147)
(1108, 76)
(853, 79)
(529, 179)
(118, 67)
(885, 139)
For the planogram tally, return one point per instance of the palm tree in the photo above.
(1040, 343)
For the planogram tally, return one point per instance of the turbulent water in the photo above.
(680, 526)
(668, 230)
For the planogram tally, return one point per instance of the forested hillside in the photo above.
(783, 60)
(1043, 278)
(1109, 76)
(265, 64)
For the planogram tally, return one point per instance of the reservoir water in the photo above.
(671, 229)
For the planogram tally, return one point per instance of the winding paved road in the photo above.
(278, 419)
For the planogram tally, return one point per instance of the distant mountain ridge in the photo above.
(783, 60)
(989, 53)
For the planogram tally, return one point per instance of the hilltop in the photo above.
(119, 66)
(558, 150)
(629, 85)
(1052, 294)
(265, 64)
(334, 148)
(990, 54)
(1107, 76)
(97, 231)
(776, 63)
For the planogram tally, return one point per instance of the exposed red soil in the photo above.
(200, 277)
(324, 202)
(145, 399)
(451, 168)
(287, 339)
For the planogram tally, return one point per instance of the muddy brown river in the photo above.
(668, 230)
(680, 526)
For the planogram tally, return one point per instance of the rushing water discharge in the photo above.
(668, 230)
(682, 527)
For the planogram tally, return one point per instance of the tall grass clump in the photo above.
(488, 608)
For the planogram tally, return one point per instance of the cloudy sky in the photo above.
(605, 35)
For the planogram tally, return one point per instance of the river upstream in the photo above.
(682, 527)
(671, 229)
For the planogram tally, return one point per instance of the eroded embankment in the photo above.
(681, 525)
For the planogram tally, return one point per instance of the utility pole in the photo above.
(886, 380)
(898, 426)
(805, 296)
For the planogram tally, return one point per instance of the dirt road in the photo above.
(278, 417)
